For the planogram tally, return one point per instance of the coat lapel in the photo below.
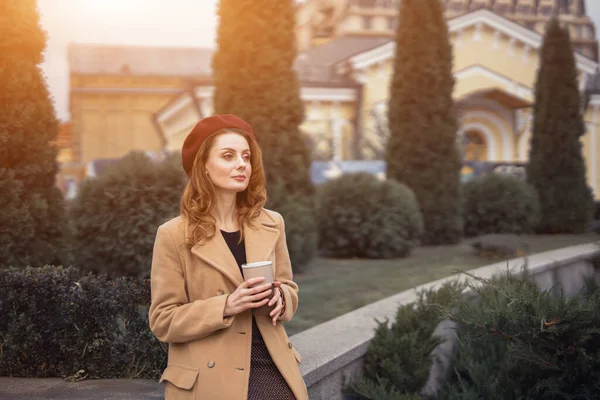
(260, 240)
(216, 254)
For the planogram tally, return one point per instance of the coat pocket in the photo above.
(179, 382)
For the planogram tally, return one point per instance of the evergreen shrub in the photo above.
(499, 204)
(255, 79)
(32, 209)
(556, 166)
(115, 216)
(362, 216)
(515, 341)
(300, 232)
(521, 342)
(421, 151)
(58, 323)
(398, 360)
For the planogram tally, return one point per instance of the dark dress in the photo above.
(266, 382)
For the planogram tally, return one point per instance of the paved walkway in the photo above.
(102, 389)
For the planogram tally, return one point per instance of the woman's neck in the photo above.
(225, 212)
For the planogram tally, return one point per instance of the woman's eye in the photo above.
(228, 156)
(246, 157)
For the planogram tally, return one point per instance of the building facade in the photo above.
(149, 98)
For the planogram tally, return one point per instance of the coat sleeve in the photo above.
(284, 274)
(173, 319)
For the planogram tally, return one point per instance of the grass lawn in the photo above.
(332, 287)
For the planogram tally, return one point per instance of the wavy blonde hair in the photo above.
(199, 199)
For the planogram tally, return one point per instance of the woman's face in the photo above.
(228, 165)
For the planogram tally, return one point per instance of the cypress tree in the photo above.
(556, 167)
(421, 150)
(254, 79)
(31, 208)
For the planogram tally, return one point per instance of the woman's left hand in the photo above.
(274, 314)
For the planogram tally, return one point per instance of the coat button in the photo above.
(211, 364)
(290, 345)
(220, 293)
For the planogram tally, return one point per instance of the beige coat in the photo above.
(209, 356)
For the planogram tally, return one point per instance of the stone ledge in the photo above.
(332, 345)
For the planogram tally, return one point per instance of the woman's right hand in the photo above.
(245, 297)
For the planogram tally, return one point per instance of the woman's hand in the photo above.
(245, 297)
(274, 314)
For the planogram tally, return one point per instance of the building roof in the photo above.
(92, 59)
(592, 84)
(317, 63)
(592, 87)
(315, 66)
(338, 50)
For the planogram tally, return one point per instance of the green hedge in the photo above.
(115, 216)
(300, 232)
(362, 216)
(57, 323)
(499, 204)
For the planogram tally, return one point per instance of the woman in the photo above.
(201, 305)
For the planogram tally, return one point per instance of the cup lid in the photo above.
(256, 264)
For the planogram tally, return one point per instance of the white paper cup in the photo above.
(262, 269)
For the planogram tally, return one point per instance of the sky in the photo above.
(134, 22)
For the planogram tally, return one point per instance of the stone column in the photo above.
(337, 131)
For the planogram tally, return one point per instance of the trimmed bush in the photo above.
(57, 323)
(361, 216)
(115, 216)
(499, 204)
(300, 232)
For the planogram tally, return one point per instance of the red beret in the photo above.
(204, 129)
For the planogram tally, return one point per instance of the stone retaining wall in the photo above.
(334, 351)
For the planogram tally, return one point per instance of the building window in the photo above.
(455, 6)
(474, 146)
(524, 9)
(545, 10)
(367, 22)
(367, 3)
(392, 22)
(476, 5)
(385, 3)
(501, 8)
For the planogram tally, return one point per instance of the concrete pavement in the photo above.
(58, 389)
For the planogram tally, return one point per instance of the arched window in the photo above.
(474, 146)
